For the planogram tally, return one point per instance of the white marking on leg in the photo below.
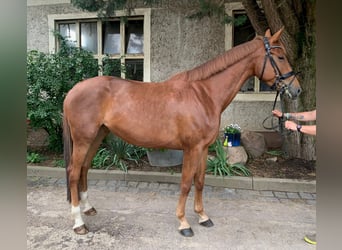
(184, 224)
(84, 201)
(203, 217)
(76, 215)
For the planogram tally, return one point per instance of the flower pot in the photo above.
(165, 158)
(233, 139)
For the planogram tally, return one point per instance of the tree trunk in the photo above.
(298, 18)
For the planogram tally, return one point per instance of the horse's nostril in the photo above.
(299, 90)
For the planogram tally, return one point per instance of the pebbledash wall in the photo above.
(172, 43)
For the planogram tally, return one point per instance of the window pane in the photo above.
(89, 36)
(111, 37)
(112, 67)
(243, 33)
(68, 31)
(134, 37)
(248, 85)
(264, 87)
(135, 69)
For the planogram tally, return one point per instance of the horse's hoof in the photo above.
(207, 223)
(92, 211)
(186, 232)
(81, 230)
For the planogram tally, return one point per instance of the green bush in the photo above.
(219, 165)
(49, 78)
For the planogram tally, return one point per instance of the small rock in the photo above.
(236, 155)
(272, 159)
(254, 143)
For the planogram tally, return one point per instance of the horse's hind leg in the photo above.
(74, 172)
(199, 184)
(83, 152)
(83, 187)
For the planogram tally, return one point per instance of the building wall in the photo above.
(37, 24)
(177, 44)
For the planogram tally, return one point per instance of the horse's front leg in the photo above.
(191, 160)
(199, 184)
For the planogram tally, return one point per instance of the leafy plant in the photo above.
(219, 165)
(59, 163)
(232, 129)
(49, 78)
(33, 157)
(275, 152)
(112, 67)
(115, 153)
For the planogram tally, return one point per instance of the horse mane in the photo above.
(219, 63)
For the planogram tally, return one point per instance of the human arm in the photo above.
(300, 116)
(306, 129)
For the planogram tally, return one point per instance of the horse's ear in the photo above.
(277, 35)
(268, 33)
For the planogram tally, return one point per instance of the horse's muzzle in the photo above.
(292, 92)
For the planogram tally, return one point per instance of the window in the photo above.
(244, 33)
(252, 89)
(113, 41)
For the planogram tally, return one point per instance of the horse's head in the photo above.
(276, 70)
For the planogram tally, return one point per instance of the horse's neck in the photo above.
(223, 76)
(225, 85)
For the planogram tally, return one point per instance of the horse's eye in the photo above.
(281, 57)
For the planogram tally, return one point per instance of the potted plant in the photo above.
(232, 134)
(165, 157)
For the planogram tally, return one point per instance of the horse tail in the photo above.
(67, 151)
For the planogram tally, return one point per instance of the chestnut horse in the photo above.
(182, 112)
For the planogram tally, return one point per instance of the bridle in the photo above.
(278, 84)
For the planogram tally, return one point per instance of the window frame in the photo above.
(142, 14)
(255, 95)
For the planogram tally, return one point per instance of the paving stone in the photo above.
(268, 199)
(112, 183)
(267, 193)
(247, 192)
(174, 187)
(143, 185)
(101, 183)
(164, 185)
(122, 189)
(133, 190)
(132, 184)
(293, 195)
(154, 185)
(92, 182)
(310, 202)
(61, 182)
(304, 195)
(280, 195)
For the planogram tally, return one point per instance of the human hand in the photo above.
(291, 125)
(277, 113)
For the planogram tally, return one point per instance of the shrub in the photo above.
(49, 78)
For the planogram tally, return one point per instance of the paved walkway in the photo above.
(141, 215)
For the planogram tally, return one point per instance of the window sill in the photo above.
(251, 97)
